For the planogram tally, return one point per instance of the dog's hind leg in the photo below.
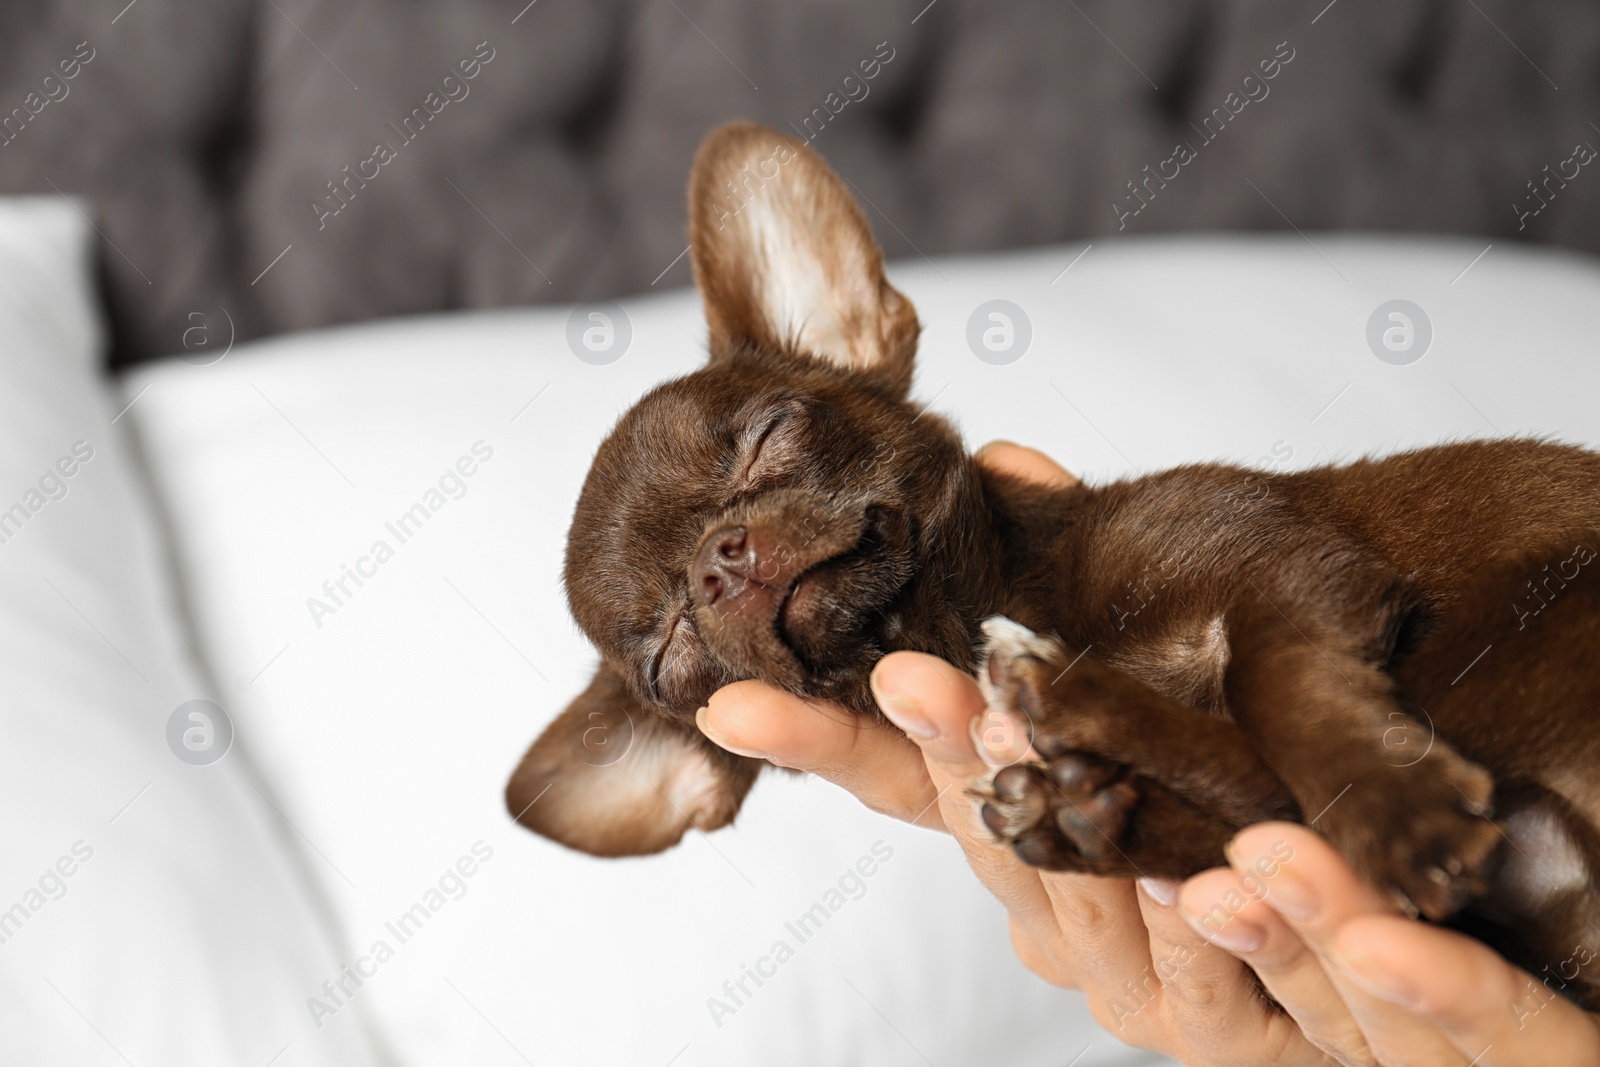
(1542, 910)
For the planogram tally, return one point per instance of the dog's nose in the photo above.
(727, 566)
(733, 545)
(733, 573)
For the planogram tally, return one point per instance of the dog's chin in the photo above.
(834, 629)
(797, 611)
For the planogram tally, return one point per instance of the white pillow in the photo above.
(388, 719)
(148, 908)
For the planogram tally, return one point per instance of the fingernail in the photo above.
(1377, 979)
(1231, 932)
(998, 443)
(1291, 897)
(702, 719)
(1160, 890)
(903, 711)
(999, 740)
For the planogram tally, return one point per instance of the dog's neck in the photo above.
(1031, 530)
(1013, 555)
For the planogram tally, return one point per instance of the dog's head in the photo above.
(783, 514)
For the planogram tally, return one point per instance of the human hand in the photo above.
(1150, 978)
(1367, 985)
(1163, 966)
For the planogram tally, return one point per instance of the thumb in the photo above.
(1028, 464)
(867, 757)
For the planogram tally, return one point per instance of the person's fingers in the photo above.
(1226, 908)
(1315, 892)
(888, 773)
(942, 709)
(936, 705)
(1100, 919)
(868, 758)
(1211, 996)
(1155, 983)
(1044, 952)
(1494, 1014)
(1029, 464)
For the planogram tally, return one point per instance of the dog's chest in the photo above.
(1160, 575)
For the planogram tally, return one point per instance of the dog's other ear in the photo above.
(784, 258)
(612, 778)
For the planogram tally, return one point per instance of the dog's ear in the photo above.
(784, 258)
(613, 778)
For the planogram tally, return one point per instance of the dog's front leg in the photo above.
(1127, 782)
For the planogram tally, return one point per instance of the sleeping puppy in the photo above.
(1398, 651)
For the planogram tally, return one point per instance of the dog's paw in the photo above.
(1010, 648)
(1425, 831)
(1067, 702)
(1068, 814)
(1069, 809)
(1086, 793)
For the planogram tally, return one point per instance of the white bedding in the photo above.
(150, 911)
(385, 718)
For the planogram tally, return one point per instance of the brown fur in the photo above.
(1223, 646)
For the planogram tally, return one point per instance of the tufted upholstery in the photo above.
(205, 130)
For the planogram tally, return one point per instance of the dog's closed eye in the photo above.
(659, 665)
(652, 667)
(678, 667)
(770, 444)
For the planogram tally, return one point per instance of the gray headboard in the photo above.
(502, 152)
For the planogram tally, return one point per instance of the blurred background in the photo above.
(272, 270)
(215, 138)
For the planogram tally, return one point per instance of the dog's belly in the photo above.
(1186, 662)
(1515, 691)
(1527, 707)
(1580, 788)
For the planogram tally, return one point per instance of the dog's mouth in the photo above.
(801, 628)
(796, 593)
(800, 599)
(836, 600)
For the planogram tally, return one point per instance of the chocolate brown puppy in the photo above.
(1397, 651)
